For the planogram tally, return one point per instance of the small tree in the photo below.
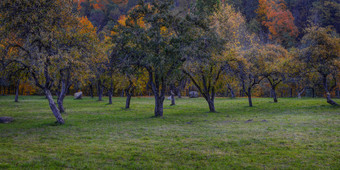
(271, 63)
(249, 72)
(214, 42)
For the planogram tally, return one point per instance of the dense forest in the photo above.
(234, 48)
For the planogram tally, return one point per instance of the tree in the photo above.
(74, 68)
(211, 48)
(320, 51)
(249, 71)
(271, 61)
(154, 47)
(47, 31)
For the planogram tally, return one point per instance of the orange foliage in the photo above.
(122, 19)
(27, 89)
(86, 25)
(278, 19)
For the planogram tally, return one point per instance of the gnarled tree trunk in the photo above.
(62, 95)
(64, 88)
(159, 100)
(53, 107)
(158, 88)
(211, 105)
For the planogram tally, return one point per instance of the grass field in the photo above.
(291, 134)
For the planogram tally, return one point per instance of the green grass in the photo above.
(291, 134)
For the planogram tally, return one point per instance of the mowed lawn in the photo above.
(291, 134)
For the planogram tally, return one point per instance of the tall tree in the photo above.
(154, 47)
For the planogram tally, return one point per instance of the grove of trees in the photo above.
(262, 48)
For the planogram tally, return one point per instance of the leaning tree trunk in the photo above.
(53, 107)
(211, 105)
(328, 94)
(17, 91)
(61, 96)
(60, 102)
(300, 93)
(128, 99)
(249, 98)
(330, 101)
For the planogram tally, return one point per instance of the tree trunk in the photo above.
(179, 93)
(300, 93)
(62, 94)
(172, 98)
(330, 101)
(110, 97)
(53, 107)
(232, 94)
(338, 93)
(110, 92)
(274, 95)
(211, 105)
(17, 91)
(91, 90)
(128, 99)
(159, 100)
(328, 94)
(60, 102)
(249, 98)
(100, 91)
